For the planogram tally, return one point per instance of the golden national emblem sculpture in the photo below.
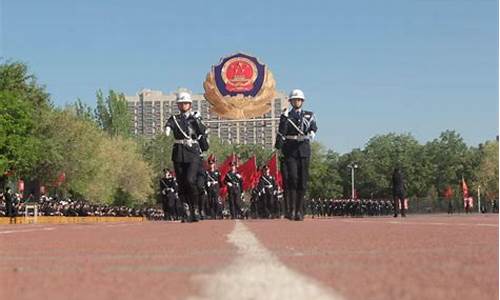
(239, 87)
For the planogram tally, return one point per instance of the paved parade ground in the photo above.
(420, 257)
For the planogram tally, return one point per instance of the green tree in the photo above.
(112, 114)
(324, 178)
(448, 156)
(127, 175)
(18, 147)
(16, 78)
(382, 154)
(487, 174)
(98, 167)
(157, 152)
(69, 145)
(83, 110)
(22, 101)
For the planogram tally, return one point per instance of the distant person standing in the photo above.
(450, 207)
(213, 185)
(168, 186)
(468, 204)
(9, 204)
(234, 183)
(398, 192)
(494, 206)
(268, 189)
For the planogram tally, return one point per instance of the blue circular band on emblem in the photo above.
(257, 85)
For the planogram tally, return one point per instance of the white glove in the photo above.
(229, 184)
(312, 135)
(209, 183)
(168, 130)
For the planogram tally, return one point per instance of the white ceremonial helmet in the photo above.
(296, 94)
(184, 97)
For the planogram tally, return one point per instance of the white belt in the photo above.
(189, 142)
(297, 137)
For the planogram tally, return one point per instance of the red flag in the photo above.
(60, 179)
(247, 172)
(20, 185)
(223, 170)
(405, 203)
(469, 201)
(448, 193)
(465, 189)
(273, 169)
(256, 178)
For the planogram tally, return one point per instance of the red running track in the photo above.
(150, 260)
(420, 257)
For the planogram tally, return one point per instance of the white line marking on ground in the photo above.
(258, 274)
(119, 224)
(27, 230)
(423, 223)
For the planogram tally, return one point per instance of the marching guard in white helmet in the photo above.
(297, 128)
(190, 140)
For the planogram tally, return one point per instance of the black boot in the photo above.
(292, 201)
(396, 210)
(186, 216)
(195, 213)
(286, 206)
(192, 200)
(299, 206)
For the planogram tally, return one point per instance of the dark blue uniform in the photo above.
(213, 186)
(398, 192)
(168, 187)
(294, 142)
(234, 183)
(190, 140)
(267, 190)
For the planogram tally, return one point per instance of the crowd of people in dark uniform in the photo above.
(194, 195)
(348, 207)
(13, 205)
(265, 201)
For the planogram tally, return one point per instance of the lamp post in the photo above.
(479, 198)
(352, 166)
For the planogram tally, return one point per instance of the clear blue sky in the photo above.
(367, 67)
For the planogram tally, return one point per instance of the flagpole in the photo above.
(479, 198)
(460, 188)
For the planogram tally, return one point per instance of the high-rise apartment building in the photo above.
(150, 110)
